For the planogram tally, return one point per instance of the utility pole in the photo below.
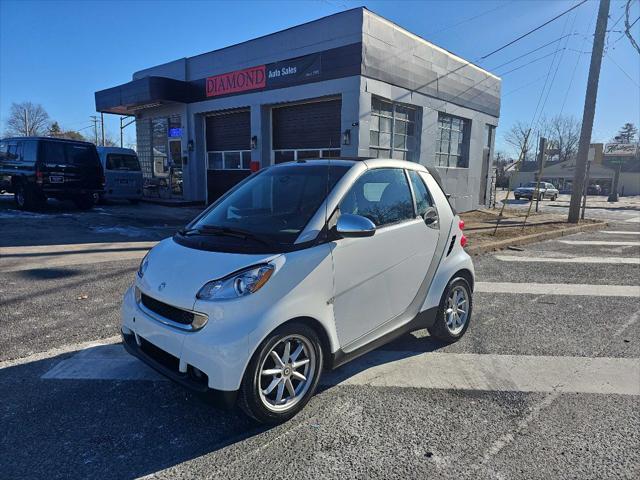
(542, 147)
(586, 190)
(94, 119)
(102, 125)
(589, 111)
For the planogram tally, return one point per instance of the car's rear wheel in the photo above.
(517, 197)
(282, 375)
(26, 197)
(84, 202)
(454, 312)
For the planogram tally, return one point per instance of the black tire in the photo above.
(249, 398)
(517, 197)
(554, 198)
(84, 202)
(27, 198)
(439, 329)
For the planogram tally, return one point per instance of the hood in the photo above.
(185, 270)
(526, 189)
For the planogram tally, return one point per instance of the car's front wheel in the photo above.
(454, 312)
(283, 374)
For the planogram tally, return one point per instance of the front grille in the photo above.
(167, 311)
(163, 358)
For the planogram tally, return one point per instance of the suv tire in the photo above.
(26, 197)
(268, 378)
(448, 326)
(84, 202)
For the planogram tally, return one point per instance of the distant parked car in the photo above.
(37, 168)
(545, 190)
(122, 172)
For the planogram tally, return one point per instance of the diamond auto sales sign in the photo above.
(251, 78)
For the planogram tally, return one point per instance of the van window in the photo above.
(30, 151)
(69, 153)
(14, 152)
(53, 152)
(119, 161)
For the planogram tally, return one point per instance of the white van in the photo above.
(122, 174)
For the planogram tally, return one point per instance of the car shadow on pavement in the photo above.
(91, 428)
(53, 428)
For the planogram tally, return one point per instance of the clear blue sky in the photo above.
(59, 53)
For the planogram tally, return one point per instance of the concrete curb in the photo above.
(533, 238)
(607, 207)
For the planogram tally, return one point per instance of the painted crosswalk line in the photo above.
(458, 371)
(601, 242)
(603, 260)
(559, 289)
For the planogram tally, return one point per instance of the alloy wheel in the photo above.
(286, 373)
(457, 310)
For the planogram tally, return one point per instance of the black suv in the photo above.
(35, 168)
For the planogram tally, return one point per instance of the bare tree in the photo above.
(563, 133)
(27, 119)
(516, 137)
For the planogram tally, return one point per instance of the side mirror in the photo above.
(430, 216)
(354, 226)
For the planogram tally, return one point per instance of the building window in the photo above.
(159, 147)
(393, 130)
(452, 141)
(229, 160)
(291, 155)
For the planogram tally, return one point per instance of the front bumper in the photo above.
(218, 352)
(166, 364)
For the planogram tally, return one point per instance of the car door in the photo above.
(377, 277)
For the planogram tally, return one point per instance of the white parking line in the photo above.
(559, 289)
(613, 260)
(619, 232)
(521, 373)
(411, 369)
(600, 242)
(633, 219)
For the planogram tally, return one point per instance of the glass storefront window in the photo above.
(392, 133)
(452, 141)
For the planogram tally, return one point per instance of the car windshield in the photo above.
(533, 185)
(273, 206)
(118, 161)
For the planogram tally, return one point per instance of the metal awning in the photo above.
(136, 95)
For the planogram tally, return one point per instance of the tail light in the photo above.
(461, 224)
(39, 177)
(463, 241)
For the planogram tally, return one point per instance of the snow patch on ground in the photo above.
(124, 231)
(21, 213)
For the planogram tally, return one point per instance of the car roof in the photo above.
(49, 139)
(351, 161)
(116, 150)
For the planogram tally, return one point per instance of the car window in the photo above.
(423, 199)
(118, 161)
(3, 150)
(14, 151)
(382, 195)
(276, 203)
(53, 152)
(30, 151)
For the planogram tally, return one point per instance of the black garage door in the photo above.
(228, 137)
(306, 130)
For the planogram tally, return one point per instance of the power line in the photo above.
(457, 24)
(575, 67)
(622, 70)
(534, 30)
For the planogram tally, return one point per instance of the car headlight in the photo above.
(144, 263)
(239, 284)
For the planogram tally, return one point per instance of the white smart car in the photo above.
(301, 267)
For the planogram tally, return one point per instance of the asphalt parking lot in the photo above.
(545, 384)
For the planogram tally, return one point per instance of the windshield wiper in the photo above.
(226, 231)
